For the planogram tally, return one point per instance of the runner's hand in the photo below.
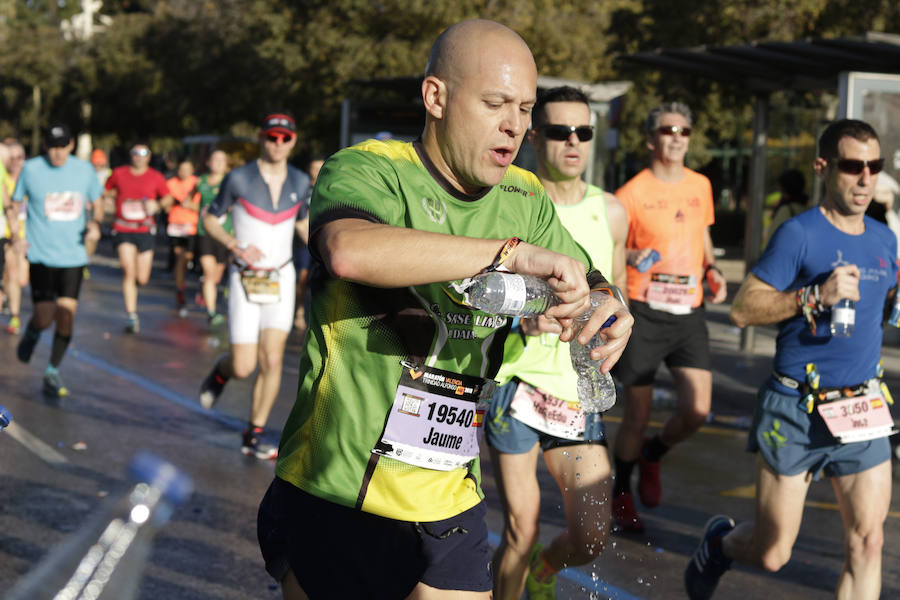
(842, 283)
(565, 275)
(615, 336)
(249, 254)
(634, 256)
(716, 281)
(151, 207)
(93, 231)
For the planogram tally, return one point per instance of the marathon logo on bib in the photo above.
(63, 206)
(436, 418)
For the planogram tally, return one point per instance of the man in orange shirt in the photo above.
(669, 252)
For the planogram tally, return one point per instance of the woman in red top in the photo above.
(140, 193)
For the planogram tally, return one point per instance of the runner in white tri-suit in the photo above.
(266, 199)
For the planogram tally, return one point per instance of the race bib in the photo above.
(436, 418)
(133, 210)
(674, 294)
(63, 206)
(858, 419)
(261, 285)
(180, 230)
(536, 408)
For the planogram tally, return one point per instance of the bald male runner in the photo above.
(377, 489)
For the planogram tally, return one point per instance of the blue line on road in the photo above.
(190, 404)
(574, 575)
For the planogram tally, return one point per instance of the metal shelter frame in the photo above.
(765, 67)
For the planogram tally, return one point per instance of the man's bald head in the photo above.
(451, 53)
(478, 92)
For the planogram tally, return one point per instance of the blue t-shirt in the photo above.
(805, 250)
(57, 200)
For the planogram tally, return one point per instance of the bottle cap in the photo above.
(173, 484)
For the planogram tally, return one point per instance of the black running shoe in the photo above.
(26, 345)
(252, 446)
(212, 387)
(708, 563)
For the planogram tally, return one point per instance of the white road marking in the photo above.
(35, 445)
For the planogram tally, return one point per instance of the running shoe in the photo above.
(211, 388)
(625, 515)
(133, 325)
(26, 345)
(181, 303)
(538, 590)
(708, 563)
(252, 446)
(53, 384)
(649, 485)
(15, 326)
(215, 320)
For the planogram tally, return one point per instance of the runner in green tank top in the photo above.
(377, 475)
(537, 408)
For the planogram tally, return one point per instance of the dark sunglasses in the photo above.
(853, 166)
(673, 129)
(561, 133)
(284, 138)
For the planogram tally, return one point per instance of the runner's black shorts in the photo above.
(50, 283)
(143, 241)
(657, 336)
(340, 552)
(186, 242)
(206, 245)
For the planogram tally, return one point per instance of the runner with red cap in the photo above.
(266, 200)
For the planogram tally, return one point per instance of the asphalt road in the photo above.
(62, 458)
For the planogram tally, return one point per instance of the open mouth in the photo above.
(502, 156)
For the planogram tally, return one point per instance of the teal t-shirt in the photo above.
(351, 366)
(57, 203)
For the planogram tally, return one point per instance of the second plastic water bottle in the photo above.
(596, 390)
(843, 317)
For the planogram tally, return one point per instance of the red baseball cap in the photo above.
(279, 123)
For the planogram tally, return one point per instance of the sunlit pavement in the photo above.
(62, 457)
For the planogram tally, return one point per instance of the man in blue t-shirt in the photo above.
(825, 409)
(60, 189)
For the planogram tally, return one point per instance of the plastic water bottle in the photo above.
(5, 417)
(517, 295)
(104, 559)
(510, 294)
(596, 390)
(648, 261)
(843, 316)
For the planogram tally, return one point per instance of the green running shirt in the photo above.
(358, 335)
(208, 193)
(544, 361)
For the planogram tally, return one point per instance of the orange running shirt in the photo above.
(183, 220)
(670, 218)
